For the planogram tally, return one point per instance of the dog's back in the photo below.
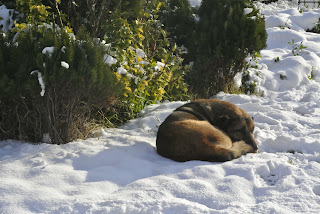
(196, 131)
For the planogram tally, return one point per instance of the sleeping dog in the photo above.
(208, 130)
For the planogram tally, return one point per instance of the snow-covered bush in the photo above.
(52, 83)
(227, 32)
(138, 51)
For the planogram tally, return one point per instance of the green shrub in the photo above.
(225, 37)
(94, 14)
(34, 11)
(76, 84)
(179, 20)
(8, 3)
(147, 62)
(316, 28)
(129, 27)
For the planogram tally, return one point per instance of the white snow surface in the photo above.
(121, 71)
(119, 170)
(109, 60)
(65, 64)
(6, 21)
(48, 50)
(246, 11)
(195, 3)
(41, 82)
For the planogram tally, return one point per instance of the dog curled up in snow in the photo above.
(208, 130)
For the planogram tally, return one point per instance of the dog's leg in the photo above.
(221, 154)
(240, 148)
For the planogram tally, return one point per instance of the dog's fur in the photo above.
(209, 130)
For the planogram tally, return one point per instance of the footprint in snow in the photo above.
(271, 173)
(37, 163)
(316, 190)
(37, 160)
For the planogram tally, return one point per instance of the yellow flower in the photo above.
(21, 26)
(117, 76)
(126, 67)
(161, 91)
(69, 30)
(128, 90)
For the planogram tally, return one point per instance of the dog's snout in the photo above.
(255, 146)
(252, 141)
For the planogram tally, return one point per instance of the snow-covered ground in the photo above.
(120, 172)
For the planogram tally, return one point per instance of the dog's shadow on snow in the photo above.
(127, 158)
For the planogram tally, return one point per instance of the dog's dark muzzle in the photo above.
(252, 142)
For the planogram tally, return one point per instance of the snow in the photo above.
(41, 82)
(293, 19)
(158, 66)
(119, 170)
(246, 11)
(110, 60)
(64, 64)
(121, 71)
(6, 21)
(195, 3)
(140, 53)
(48, 50)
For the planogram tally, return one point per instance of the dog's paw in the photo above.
(241, 147)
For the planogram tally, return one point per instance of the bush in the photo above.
(148, 66)
(146, 61)
(225, 37)
(94, 14)
(179, 20)
(8, 3)
(52, 83)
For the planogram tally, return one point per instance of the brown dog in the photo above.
(208, 129)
